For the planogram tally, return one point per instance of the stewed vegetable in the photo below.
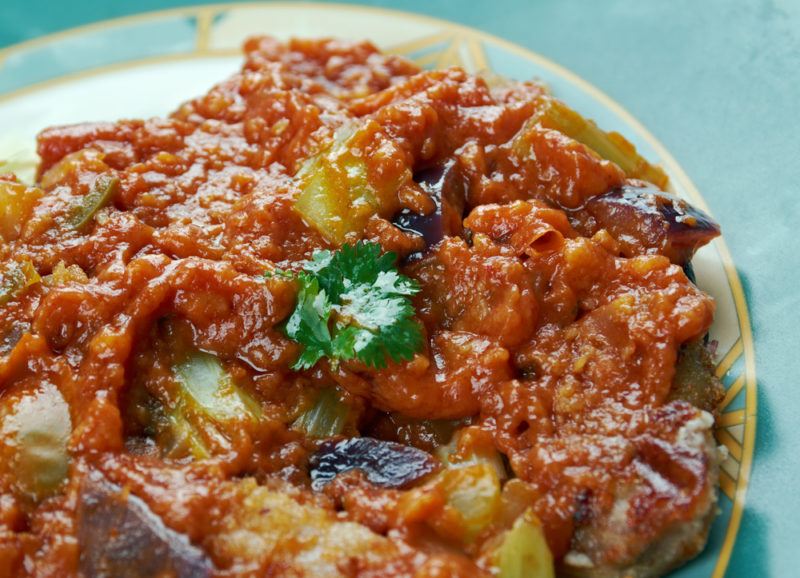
(645, 220)
(472, 446)
(554, 114)
(523, 553)
(327, 417)
(102, 192)
(36, 427)
(201, 409)
(385, 464)
(472, 500)
(339, 193)
(16, 205)
(121, 537)
(15, 277)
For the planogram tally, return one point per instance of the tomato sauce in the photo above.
(552, 336)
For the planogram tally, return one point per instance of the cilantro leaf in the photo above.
(310, 320)
(354, 304)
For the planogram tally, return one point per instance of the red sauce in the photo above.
(559, 347)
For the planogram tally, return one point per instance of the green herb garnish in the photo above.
(354, 304)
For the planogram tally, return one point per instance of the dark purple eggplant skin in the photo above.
(120, 537)
(385, 464)
(646, 220)
(688, 270)
(446, 185)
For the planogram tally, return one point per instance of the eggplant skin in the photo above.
(120, 537)
(646, 221)
(385, 464)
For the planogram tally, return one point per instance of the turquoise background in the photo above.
(718, 82)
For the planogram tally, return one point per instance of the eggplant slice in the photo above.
(385, 464)
(120, 537)
(646, 220)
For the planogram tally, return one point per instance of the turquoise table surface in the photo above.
(718, 83)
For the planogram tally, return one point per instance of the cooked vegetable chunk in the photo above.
(645, 220)
(204, 408)
(524, 552)
(206, 384)
(16, 205)
(339, 191)
(35, 430)
(470, 446)
(464, 501)
(120, 537)
(102, 192)
(472, 495)
(69, 166)
(326, 418)
(612, 146)
(386, 464)
(15, 277)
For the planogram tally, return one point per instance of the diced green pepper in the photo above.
(612, 146)
(326, 418)
(338, 195)
(207, 385)
(103, 191)
(204, 409)
(15, 277)
(36, 428)
(523, 552)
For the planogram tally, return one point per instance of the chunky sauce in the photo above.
(551, 338)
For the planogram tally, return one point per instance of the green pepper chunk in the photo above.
(206, 406)
(103, 190)
(612, 146)
(339, 191)
(326, 418)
